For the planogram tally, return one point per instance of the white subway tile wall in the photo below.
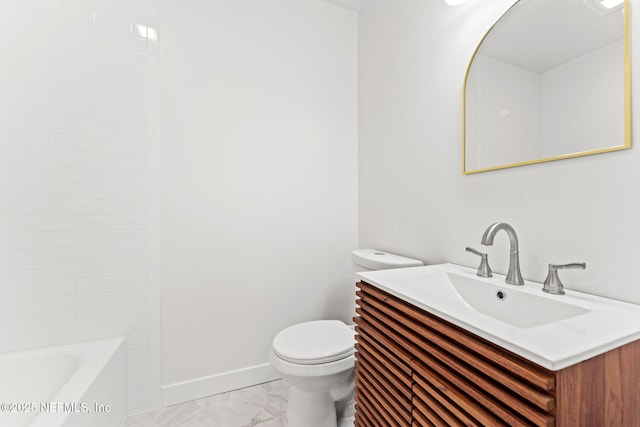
(79, 168)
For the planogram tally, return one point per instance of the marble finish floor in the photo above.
(263, 405)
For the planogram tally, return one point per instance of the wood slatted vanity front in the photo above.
(415, 369)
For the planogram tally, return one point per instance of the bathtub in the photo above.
(72, 385)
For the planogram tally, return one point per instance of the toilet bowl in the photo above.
(317, 359)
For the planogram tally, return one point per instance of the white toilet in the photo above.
(317, 359)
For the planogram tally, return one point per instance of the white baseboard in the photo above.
(215, 384)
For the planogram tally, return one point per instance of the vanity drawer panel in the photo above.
(458, 403)
(393, 330)
(430, 406)
(395, 403)
(401, 398)
(364, 412)
(377, 401)
(530, 372)
(419, 420)
(388, 321)
(423, 412)
(483, 408)
(450, 353)
(383, 385)
(419, 338)
(394, 356)
(361, 420)
(385, 376)
(484, 393)
(389, 330)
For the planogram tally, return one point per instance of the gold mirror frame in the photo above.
(627, 104)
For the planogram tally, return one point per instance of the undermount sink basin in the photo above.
(554, 331)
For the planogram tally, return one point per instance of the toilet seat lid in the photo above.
(312, 343)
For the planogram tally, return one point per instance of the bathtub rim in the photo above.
(93, 356)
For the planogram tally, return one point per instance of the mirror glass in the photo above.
(550, 80)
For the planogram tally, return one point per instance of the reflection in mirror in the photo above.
(550, 80)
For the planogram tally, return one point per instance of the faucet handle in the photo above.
(483, 270)
(553, 284)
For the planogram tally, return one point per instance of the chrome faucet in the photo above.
(513, 275)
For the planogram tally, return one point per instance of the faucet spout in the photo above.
(514, 277)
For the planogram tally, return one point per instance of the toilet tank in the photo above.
(373, 259)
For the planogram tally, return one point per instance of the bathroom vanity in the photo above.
(432, 352)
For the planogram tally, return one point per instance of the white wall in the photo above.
(78, 151)
(414, 200)
(259, 136)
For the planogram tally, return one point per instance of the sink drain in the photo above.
(502, 295)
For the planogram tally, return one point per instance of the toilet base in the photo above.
(346, 422)
(319, 410)
(310, 409)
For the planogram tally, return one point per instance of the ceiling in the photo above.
(349, 4)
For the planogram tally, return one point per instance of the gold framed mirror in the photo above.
(550, 80)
